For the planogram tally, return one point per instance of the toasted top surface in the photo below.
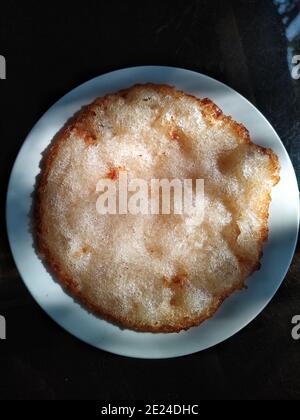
(154, 272)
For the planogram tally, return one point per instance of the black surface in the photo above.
(51, 48)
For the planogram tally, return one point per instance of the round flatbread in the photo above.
(154, 272)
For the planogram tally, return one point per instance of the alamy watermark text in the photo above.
(155, 196)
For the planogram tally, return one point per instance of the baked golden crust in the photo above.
(195, 128)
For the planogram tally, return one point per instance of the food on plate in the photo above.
(154, 272)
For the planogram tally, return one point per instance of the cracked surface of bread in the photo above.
(160, 273)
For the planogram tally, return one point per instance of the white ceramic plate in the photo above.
(239, 309)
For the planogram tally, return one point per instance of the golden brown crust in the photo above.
(81, 125)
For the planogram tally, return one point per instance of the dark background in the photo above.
(51, 48)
